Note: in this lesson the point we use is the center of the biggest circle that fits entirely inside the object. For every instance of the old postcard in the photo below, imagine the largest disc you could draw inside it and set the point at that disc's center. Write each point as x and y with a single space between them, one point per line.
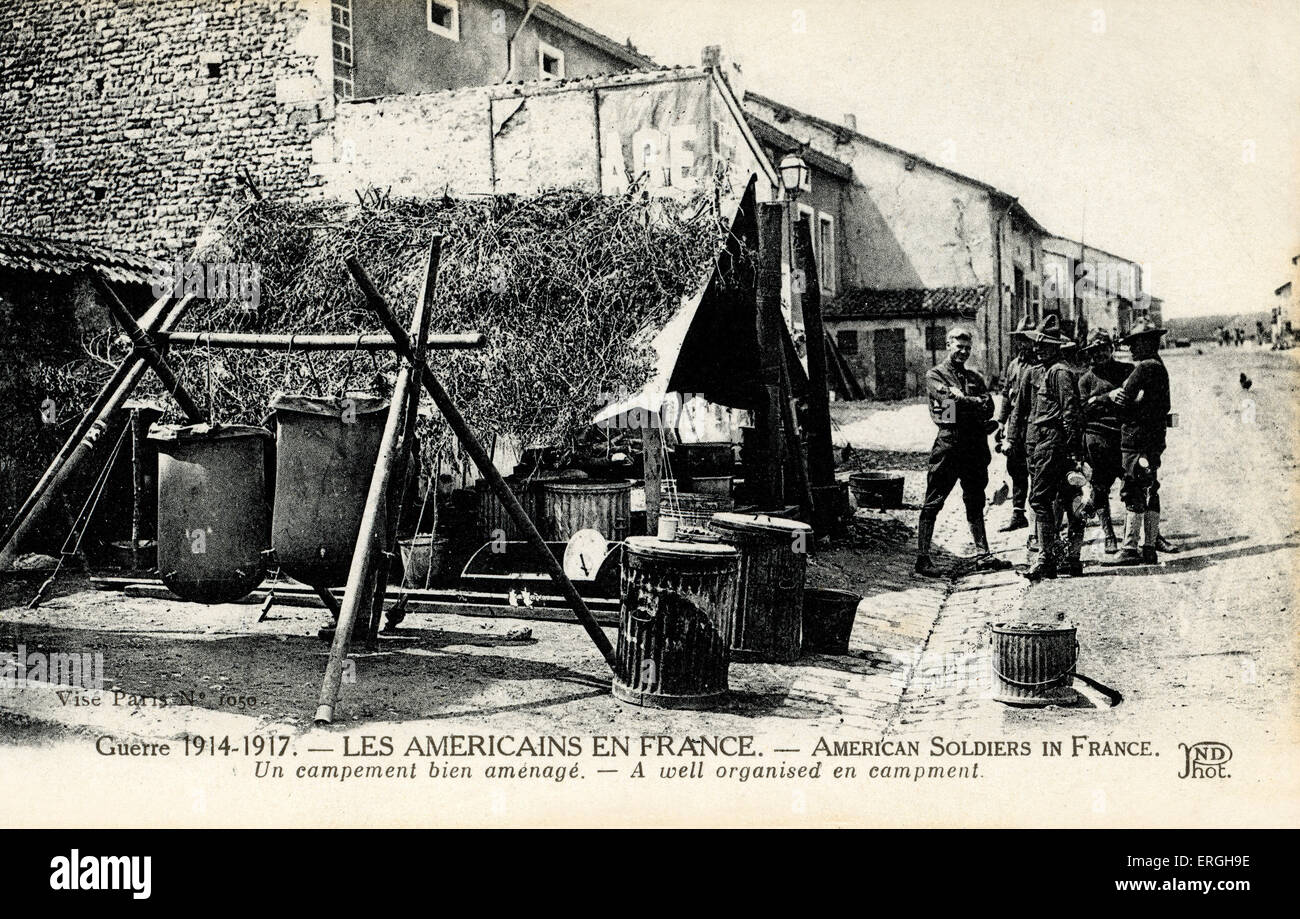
494 413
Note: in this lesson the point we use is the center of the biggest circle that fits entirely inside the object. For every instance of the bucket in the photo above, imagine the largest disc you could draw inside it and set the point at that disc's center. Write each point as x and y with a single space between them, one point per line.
212 514
828 620
677 600
423 558
567 507
1033 663
773 563
325 457
877 489
692 512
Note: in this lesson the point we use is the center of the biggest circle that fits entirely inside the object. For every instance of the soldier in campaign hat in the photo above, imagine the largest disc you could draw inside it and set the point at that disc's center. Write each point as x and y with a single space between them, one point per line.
1017 465
1101 425
1143 401
1047 410
961 407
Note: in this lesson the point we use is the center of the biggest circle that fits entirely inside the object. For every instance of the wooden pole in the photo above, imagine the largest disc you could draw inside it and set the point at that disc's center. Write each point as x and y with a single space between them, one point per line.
397 488
771 217
652 445
145 348
367 341
358 592
485 466
821 459
81 442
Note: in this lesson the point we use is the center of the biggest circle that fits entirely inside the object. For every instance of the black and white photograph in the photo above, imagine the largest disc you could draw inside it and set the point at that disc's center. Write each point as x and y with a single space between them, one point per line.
700 413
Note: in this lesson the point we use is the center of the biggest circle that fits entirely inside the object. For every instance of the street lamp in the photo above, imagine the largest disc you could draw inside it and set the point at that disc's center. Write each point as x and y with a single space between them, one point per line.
796 177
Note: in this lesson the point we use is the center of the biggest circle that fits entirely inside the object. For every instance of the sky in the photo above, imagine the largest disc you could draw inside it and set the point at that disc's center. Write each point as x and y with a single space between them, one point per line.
1165 131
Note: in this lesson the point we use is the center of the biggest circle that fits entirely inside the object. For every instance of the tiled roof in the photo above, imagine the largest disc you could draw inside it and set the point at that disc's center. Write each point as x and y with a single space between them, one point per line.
64 257
784 143
872 303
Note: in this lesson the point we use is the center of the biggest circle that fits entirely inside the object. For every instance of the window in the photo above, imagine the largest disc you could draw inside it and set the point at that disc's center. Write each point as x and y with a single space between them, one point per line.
443 18
341 26
846 341
550 62
936 338
826 252
807 213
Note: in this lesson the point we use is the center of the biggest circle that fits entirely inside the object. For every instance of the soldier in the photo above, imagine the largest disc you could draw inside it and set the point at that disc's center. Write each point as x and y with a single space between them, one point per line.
1143 400
961 407
1101 431
1053 425
1017 466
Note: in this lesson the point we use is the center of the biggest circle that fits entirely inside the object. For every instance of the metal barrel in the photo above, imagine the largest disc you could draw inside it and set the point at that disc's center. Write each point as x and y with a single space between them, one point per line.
1033 663
718 486
677 601
492 517
325 456
692 512
768 623
212 509
567 507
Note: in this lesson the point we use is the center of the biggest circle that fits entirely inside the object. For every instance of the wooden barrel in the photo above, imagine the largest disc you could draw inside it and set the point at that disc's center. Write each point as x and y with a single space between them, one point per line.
678 599
567 507
773 563
325 458
707 458
1033 663
212 509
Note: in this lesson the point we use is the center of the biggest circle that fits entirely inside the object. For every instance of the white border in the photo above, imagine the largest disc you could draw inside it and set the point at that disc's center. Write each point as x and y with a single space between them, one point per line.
544 51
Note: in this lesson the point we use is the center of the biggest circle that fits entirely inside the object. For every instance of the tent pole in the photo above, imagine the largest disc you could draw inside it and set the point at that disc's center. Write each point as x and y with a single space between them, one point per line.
358 594
81 442
485 466
768 419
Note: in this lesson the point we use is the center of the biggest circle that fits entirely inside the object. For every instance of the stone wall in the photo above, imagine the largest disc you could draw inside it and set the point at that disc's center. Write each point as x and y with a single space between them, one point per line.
126 123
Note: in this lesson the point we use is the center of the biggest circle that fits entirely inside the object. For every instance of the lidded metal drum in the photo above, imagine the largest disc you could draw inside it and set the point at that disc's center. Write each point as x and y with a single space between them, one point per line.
677 601
212 509
1033 663
325 457
567 507
773 564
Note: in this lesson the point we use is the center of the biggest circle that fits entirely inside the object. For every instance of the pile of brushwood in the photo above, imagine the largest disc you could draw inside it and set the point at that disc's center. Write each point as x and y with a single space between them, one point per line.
564 284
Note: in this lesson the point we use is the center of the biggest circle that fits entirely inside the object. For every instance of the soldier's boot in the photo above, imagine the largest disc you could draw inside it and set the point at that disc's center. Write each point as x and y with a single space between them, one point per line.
1151 538
1018 521
1073 566
1044 565
1129 553
1107 528
985 560
924 535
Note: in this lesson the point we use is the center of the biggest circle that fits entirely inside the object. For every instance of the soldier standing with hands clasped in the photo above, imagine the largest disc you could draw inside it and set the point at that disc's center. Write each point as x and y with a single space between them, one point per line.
961 407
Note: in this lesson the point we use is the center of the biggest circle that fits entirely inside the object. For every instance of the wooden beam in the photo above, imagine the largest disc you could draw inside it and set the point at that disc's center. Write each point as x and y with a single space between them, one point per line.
357 593
366 341
485 466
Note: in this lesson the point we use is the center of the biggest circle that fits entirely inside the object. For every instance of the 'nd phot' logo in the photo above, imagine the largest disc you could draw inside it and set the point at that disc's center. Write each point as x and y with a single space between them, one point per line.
1205 760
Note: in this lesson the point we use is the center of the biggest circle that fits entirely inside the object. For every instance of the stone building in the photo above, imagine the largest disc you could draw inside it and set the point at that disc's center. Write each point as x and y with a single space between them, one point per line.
908 224
1090 288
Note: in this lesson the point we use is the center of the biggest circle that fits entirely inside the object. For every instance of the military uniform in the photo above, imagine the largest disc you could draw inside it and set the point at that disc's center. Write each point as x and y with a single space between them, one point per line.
960 454
1101 431
1017 462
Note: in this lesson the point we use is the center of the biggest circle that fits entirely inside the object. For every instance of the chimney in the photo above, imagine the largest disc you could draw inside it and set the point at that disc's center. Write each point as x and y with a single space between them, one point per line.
711 57
851 121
